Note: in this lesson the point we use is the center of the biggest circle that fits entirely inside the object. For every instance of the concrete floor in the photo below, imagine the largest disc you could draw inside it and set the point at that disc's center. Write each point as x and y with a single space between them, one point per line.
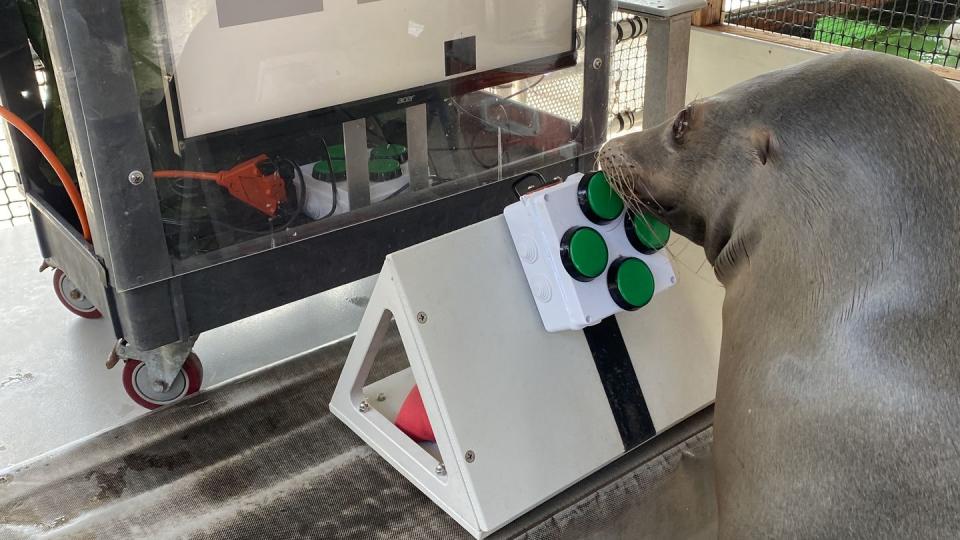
54 388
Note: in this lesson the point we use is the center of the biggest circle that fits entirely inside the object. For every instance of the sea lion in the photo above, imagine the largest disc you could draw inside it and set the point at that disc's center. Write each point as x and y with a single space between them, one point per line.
827 199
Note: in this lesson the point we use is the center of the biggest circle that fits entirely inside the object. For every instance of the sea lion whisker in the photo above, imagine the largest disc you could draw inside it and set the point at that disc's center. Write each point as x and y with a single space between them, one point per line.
613 165
652 199
621 185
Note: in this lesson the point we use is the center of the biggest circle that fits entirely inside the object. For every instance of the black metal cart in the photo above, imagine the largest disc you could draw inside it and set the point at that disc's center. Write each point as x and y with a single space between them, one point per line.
164 272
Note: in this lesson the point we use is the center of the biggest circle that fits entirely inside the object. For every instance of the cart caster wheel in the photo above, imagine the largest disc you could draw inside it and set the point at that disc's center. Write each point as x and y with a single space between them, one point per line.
137 383
71 297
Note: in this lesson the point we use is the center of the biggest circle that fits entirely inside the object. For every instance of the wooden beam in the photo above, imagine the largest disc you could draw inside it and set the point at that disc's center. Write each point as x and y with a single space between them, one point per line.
709 15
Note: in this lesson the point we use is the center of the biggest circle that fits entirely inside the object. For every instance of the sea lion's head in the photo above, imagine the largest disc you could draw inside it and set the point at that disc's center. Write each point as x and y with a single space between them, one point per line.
813 143
689 168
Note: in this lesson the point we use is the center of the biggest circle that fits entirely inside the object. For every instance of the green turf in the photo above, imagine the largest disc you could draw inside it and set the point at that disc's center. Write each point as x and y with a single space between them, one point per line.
923 44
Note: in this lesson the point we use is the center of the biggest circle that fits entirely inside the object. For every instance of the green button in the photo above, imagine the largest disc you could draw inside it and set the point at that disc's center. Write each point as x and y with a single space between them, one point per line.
337 151
382 170
390 151
584 253
321 171
597 199
631 283
647 233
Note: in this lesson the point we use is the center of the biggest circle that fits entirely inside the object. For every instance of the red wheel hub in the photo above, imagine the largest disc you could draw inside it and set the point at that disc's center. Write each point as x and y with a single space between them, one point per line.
140 388
72 298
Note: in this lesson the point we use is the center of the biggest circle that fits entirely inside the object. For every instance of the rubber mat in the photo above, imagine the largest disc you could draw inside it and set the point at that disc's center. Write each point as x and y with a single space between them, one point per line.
262 457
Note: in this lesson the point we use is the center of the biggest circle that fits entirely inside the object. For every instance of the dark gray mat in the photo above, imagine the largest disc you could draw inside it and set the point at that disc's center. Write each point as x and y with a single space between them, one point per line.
262 457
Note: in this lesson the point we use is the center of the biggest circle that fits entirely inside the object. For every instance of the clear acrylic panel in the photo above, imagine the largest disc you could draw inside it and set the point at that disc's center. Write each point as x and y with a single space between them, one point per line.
269 122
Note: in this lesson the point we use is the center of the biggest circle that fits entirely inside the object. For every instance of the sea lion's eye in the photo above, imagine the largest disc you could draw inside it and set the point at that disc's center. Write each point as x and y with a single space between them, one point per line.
681 125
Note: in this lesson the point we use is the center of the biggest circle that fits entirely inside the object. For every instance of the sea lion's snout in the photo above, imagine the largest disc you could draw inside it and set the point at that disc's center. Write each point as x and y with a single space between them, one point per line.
649 176
639 172
692 170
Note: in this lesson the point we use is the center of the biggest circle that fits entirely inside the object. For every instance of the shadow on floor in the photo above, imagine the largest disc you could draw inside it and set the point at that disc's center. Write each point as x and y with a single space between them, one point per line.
263 458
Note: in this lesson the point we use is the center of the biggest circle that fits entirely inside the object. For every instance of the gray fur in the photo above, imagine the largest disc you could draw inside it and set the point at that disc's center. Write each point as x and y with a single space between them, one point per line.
838 399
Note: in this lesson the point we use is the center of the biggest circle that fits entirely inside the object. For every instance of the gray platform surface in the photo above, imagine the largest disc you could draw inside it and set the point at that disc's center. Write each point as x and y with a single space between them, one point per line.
54 387
262 458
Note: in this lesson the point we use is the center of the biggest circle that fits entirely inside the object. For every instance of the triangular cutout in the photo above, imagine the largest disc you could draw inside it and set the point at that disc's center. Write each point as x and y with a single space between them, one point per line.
391 390
384 366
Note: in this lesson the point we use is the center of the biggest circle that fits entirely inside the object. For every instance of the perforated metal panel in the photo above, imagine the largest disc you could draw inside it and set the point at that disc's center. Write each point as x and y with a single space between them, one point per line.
561 94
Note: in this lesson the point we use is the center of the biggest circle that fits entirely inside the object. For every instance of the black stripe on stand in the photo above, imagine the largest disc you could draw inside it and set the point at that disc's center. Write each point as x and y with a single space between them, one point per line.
620 383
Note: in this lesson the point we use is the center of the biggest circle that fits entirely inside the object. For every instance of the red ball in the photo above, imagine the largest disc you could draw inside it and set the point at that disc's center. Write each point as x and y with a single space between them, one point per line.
412 418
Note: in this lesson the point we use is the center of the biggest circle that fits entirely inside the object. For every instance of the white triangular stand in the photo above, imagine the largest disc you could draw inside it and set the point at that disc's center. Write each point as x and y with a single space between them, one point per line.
441 480
519 414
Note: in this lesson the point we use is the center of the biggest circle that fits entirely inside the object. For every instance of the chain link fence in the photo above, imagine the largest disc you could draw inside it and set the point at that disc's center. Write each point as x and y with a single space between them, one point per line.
561 94
13 205
927 31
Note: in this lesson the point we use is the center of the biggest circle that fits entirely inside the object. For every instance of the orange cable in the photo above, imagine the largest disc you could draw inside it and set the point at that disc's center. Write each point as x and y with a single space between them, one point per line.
188 174
54 162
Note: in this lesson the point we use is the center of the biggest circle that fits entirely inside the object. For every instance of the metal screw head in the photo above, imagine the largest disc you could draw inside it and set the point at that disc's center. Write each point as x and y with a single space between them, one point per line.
364 406
381 397
470 456
441 469
422 318
597 63
136 178
75 295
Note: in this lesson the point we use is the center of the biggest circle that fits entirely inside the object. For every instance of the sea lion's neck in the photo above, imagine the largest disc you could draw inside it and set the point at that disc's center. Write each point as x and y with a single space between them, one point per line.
846 240
728 238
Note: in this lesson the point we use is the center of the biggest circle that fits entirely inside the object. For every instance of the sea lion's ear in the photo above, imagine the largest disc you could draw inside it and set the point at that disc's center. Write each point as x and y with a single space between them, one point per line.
764 144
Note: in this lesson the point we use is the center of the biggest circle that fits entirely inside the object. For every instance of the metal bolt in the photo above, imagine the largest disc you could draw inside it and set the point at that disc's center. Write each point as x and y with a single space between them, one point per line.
470 456
441 469
159 387
422 318
381 397
364 406
75 295
136 178
597 63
